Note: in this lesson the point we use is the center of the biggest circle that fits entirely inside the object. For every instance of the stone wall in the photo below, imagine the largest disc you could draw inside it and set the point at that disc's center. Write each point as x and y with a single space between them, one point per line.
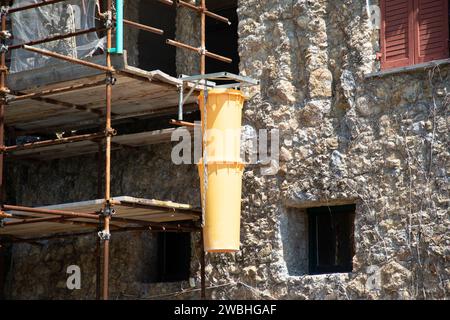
379 142
188 31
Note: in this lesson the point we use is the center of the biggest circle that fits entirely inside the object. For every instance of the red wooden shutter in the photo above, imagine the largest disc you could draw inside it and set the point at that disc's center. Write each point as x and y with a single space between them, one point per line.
431 30
397 33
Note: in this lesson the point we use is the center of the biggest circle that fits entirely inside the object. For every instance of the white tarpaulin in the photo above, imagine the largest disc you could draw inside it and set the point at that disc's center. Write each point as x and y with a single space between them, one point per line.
51 20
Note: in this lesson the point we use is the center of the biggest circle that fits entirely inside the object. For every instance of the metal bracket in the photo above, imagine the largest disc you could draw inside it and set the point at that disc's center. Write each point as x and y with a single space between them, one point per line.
107 19
5 34
204 82
110 132
4 10
104 235
110 80
6 99
108 211
239 81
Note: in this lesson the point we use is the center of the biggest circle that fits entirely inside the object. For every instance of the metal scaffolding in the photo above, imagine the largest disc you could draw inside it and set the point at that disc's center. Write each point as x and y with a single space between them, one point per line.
104 219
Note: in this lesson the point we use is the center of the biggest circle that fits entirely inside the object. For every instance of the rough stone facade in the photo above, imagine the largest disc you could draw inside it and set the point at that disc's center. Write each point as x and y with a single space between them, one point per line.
379 142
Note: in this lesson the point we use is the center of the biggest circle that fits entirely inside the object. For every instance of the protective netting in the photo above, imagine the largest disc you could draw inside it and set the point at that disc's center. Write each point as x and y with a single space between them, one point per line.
51 20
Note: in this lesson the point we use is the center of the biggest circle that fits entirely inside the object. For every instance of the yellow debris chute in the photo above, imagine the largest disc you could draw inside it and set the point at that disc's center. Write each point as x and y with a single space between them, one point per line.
222 176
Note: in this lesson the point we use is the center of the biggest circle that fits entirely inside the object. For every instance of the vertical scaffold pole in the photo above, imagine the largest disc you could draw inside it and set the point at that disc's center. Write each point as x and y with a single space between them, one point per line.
203 37
108 132
98 256
3 71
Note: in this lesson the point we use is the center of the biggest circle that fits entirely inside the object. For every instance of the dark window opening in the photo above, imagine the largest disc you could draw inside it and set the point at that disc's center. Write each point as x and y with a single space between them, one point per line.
221 38
154 53
331 239
174 257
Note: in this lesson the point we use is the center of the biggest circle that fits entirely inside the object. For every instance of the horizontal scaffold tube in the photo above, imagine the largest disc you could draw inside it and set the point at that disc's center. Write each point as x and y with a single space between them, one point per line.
5 215
34 5
148 224
200 9
143 27
86 233
198 50
49 92
47 143
57 37
23 221
51 212
67 58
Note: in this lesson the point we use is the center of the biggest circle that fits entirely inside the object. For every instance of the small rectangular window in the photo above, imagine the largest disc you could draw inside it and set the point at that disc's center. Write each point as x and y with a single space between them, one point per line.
331 240
174 257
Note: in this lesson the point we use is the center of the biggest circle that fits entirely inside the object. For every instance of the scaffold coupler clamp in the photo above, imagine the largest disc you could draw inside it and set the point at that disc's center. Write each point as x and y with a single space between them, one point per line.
110 79
104 235
3 48
107 19
5 35
4 10
3 100
108 211
110 132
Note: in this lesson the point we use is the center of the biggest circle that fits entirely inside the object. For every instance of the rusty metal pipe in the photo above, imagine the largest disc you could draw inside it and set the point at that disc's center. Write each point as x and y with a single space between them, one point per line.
32 220
164 226
35 5
55 91
198 50
69 105
57 37
3 71
203 37
69 59
51 212
204 10
5 215
143 27
106 219
47 143
106 261
98 265
182 123
86 233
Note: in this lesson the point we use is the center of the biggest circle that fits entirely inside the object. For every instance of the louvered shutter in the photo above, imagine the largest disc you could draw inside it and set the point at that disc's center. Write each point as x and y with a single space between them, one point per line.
397 33
431 30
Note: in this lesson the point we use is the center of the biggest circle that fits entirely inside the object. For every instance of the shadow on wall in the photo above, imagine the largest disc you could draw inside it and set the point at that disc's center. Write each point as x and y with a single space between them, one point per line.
155 54
294 235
